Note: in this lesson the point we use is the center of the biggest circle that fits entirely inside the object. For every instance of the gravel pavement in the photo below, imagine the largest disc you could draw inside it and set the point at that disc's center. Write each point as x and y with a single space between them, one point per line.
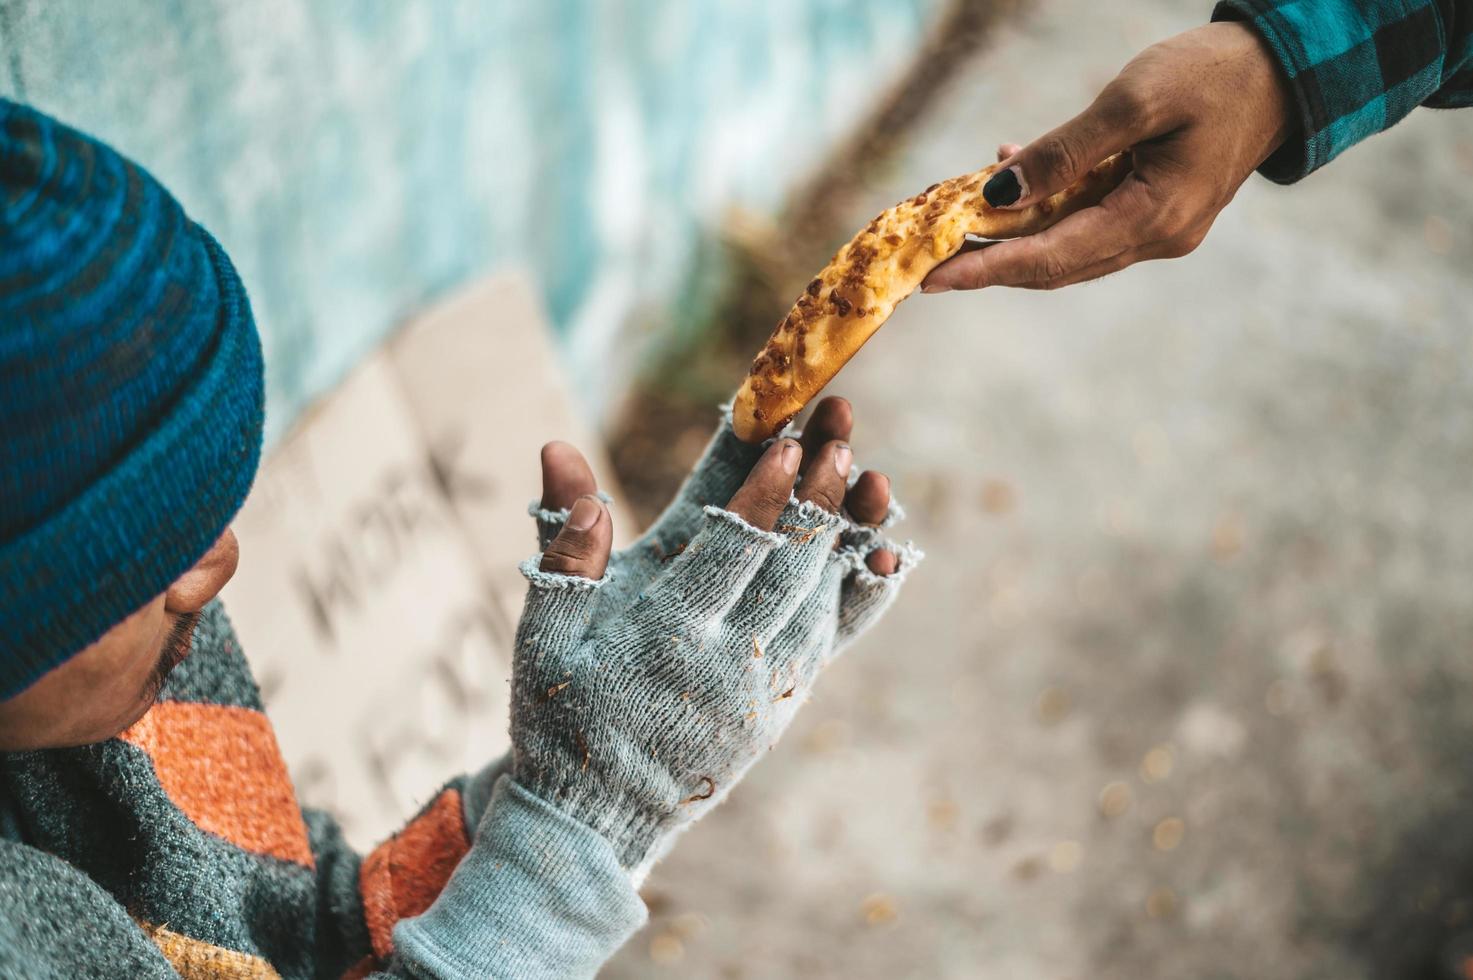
1185 687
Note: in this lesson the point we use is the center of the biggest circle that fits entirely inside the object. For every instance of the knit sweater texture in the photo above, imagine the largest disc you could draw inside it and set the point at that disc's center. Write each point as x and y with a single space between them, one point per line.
178 849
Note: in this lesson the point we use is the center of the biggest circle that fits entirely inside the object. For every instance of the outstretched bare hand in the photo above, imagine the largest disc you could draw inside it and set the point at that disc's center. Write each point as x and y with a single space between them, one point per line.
1202 111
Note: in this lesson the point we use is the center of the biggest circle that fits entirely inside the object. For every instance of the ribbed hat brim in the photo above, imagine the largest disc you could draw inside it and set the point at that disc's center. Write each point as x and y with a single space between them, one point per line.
133 531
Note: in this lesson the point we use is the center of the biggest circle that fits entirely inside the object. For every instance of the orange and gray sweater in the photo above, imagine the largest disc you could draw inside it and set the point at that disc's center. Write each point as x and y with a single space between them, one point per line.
177 849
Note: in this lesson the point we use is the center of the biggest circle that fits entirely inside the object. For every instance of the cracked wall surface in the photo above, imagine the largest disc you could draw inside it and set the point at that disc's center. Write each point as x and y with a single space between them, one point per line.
360 160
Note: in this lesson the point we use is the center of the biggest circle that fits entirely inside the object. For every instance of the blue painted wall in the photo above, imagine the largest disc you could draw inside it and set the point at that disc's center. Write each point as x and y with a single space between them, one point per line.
359 158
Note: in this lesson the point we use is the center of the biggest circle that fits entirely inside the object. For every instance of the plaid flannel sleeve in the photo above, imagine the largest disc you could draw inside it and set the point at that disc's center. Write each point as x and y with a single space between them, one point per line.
1356 67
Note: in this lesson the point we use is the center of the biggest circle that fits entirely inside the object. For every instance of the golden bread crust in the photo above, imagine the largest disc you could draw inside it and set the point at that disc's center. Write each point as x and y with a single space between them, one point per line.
859 289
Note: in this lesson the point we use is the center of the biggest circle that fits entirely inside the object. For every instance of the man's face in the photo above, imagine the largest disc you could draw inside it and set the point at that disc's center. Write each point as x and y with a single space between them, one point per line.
111 684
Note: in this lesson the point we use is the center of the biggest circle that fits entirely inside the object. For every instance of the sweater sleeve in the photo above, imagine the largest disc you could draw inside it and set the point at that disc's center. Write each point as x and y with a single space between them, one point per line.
487 881
361 898
1357 67
539 896
57 922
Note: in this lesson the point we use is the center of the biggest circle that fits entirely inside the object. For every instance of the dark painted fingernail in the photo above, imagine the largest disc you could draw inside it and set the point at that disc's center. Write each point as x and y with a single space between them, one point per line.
584 513
1003 188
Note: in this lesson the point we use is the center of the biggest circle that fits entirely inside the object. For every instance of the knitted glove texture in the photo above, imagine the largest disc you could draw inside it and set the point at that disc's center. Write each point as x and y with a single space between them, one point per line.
639 700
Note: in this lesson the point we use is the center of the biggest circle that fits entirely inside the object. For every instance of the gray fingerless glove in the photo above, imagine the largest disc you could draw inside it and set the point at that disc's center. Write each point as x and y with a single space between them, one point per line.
638 701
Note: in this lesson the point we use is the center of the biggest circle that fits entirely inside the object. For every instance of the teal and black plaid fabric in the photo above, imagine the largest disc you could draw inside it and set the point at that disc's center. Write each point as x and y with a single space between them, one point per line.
1356 67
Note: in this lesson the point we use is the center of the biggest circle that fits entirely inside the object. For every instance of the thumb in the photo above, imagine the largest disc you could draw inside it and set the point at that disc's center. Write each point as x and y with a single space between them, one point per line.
1115 121
581 548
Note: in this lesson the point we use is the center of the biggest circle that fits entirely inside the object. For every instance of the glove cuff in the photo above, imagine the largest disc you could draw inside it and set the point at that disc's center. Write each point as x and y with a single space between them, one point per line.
630 830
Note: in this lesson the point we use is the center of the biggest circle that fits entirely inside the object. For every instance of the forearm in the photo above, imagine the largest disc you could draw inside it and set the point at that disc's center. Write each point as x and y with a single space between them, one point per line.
1356 67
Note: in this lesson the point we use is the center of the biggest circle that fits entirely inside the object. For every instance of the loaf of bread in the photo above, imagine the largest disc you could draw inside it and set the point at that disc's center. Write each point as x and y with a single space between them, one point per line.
844 306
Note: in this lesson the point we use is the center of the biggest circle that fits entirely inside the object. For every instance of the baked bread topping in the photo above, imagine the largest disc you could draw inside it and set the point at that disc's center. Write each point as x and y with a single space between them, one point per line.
859 289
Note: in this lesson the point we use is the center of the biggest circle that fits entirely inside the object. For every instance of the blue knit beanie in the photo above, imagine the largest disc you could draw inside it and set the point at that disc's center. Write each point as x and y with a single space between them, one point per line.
130 392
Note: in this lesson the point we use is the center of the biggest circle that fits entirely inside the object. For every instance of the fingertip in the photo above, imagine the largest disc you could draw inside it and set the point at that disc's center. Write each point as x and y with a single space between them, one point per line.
832 419
839 414
882 562
566 475
839 402
763 495
557 450
1007 188
827 476
868 501
963 271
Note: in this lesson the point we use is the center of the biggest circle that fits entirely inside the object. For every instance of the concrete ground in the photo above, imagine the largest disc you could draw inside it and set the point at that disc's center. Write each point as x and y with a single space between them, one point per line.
1185 688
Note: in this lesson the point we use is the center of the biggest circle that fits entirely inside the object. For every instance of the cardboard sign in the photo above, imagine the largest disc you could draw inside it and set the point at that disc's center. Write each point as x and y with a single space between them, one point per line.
377 593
